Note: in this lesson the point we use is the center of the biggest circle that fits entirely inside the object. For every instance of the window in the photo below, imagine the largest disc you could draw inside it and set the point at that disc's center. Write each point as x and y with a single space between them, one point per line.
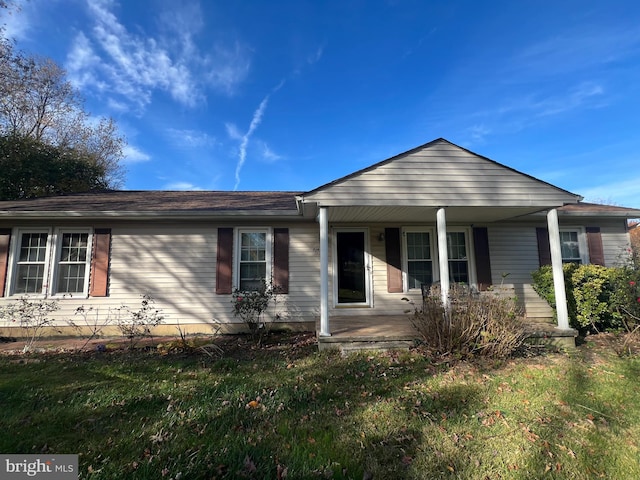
458 257
571 246
253 260
72 263
51 263
31 263
419 259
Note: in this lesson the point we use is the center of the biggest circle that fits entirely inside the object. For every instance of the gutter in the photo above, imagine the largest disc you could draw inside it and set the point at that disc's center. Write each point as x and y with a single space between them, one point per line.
147 215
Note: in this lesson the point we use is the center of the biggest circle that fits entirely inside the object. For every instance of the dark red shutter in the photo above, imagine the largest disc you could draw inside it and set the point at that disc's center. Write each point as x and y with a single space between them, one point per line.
224 259
594 242
99 279
5 238
544 249
394 260
281 259
483 258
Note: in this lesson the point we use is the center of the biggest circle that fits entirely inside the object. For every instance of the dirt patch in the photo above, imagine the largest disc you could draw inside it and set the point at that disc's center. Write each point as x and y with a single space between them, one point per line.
289 345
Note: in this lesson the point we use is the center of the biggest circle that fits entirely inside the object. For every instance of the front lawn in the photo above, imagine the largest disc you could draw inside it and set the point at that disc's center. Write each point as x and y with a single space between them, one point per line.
286 411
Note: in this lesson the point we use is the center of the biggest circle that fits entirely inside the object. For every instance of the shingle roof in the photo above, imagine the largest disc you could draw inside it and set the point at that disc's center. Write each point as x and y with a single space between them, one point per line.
158 201
584 208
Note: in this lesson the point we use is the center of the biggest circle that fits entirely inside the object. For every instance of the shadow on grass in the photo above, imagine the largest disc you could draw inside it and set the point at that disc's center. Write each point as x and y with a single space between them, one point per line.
323 416
311 415
578 430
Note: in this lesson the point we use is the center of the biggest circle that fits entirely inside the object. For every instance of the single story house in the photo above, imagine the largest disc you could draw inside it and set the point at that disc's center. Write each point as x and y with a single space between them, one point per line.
348 250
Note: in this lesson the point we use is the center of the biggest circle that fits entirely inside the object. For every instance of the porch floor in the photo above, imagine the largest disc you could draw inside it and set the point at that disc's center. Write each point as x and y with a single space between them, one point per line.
395 331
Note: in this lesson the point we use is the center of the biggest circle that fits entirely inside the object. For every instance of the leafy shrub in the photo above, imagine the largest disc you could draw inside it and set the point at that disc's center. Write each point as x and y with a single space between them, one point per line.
251 307
487 324
598 298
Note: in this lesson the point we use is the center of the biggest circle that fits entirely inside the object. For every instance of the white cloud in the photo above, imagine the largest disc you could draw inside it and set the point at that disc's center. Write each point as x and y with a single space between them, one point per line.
255 121
316 56
577 97
479 132
190 138
269 155
578 49
233 131
225 67
16 21
134 155
133 65
181 186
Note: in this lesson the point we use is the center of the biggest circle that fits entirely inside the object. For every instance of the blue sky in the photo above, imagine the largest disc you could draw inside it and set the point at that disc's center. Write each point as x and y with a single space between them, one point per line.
289 95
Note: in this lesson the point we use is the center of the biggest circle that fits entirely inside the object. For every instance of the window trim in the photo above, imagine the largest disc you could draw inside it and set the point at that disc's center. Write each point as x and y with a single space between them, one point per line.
51 263
238 251
16 240
435 272
583 248
468 239
55 265
470 251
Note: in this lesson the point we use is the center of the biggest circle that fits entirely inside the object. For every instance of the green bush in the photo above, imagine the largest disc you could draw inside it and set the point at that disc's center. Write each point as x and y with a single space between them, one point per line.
598 298
252 305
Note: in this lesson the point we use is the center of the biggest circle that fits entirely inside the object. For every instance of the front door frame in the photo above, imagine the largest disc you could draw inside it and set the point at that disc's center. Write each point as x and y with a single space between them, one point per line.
367 268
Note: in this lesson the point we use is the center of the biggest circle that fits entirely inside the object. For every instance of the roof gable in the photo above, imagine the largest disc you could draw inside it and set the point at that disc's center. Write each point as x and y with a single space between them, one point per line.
440 173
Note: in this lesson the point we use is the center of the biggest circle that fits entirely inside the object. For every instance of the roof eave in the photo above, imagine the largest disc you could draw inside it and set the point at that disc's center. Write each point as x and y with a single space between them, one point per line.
151 215
632 213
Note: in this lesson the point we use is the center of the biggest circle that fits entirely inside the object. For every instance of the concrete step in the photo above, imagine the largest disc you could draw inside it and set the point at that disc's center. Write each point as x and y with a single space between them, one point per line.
355 344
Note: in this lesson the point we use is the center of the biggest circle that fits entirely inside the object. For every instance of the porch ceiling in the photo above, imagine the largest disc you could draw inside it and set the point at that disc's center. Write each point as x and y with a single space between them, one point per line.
408 215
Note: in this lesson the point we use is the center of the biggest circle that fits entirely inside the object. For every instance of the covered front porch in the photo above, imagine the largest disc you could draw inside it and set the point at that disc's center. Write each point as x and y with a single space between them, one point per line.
438 201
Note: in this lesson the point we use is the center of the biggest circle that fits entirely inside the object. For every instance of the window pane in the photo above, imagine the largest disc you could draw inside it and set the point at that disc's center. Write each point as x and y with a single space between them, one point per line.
569 246
29 278
253 247
74 247
419 272
251 275
458 271
71 268
33 247
71 278
456 246
418 247
419 268
458 262
253 256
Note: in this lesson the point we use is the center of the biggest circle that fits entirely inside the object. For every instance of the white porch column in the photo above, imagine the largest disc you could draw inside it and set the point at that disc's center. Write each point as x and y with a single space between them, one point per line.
443 255
558 274
324 272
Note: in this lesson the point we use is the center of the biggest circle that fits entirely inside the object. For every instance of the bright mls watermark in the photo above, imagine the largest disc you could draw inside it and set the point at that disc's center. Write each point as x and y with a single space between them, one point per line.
49 467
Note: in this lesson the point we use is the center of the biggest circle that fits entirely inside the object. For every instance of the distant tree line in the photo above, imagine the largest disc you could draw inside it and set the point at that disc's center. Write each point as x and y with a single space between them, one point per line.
49 144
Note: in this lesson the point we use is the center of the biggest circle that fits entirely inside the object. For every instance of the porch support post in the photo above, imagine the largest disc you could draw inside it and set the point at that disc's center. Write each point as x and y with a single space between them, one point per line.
324 272
556 265
443 255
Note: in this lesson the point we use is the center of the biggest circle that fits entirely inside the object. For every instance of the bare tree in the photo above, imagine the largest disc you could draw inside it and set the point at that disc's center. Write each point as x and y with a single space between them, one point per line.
37 101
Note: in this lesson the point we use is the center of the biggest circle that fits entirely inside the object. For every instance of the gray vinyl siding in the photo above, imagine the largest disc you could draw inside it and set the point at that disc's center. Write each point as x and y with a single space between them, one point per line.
615 242
514 255
440 174
176 265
